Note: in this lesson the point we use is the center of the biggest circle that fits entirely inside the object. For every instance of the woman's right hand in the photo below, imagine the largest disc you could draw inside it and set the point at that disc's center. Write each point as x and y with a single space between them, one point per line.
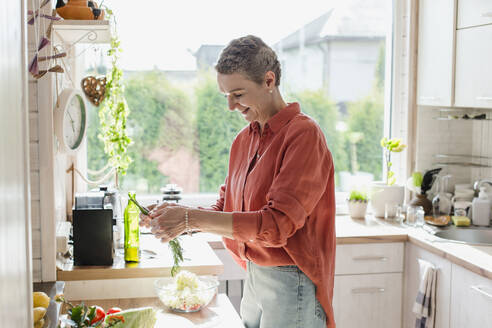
145 219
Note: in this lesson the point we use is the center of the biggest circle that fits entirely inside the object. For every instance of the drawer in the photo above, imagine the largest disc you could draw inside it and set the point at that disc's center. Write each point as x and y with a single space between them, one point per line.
474 12
370 301
369 258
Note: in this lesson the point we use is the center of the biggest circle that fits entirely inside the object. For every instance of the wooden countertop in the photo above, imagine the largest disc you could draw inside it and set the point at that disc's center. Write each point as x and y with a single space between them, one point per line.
218 314
155 261
475 258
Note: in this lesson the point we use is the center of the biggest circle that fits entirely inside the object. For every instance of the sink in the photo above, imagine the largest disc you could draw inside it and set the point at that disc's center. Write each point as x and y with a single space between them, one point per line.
468 235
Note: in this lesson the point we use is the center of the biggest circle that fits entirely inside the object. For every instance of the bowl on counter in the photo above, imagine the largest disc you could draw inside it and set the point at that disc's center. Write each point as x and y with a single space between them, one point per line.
187 298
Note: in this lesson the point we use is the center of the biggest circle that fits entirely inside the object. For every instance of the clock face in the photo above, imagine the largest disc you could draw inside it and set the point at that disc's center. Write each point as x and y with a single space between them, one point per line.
74 122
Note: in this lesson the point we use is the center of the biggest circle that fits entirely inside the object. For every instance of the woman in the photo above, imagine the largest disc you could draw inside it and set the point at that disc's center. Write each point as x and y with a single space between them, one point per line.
276 210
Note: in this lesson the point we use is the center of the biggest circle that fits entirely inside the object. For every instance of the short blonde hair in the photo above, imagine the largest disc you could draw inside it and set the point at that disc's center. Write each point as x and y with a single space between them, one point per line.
250 56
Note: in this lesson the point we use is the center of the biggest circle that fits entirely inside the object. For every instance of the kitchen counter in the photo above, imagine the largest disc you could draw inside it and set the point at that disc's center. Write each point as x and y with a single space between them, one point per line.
155 261
475 258
219 313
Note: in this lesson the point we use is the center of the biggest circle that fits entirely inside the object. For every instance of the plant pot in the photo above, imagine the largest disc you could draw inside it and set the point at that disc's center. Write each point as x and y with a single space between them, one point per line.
79 10
382 194
422 200
357 209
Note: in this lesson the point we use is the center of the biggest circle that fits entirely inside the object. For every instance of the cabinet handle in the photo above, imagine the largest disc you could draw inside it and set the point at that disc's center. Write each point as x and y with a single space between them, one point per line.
483 98
489 14
370 258
481 291
367 290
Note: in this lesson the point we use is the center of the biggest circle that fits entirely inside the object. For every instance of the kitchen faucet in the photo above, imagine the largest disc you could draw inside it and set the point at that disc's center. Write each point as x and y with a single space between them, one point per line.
479 183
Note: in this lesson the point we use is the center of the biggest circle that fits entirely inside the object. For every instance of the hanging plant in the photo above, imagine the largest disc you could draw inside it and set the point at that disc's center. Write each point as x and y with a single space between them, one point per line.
114 110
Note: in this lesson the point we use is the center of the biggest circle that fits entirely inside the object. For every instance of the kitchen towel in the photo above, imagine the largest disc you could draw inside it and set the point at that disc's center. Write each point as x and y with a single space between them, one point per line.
425 303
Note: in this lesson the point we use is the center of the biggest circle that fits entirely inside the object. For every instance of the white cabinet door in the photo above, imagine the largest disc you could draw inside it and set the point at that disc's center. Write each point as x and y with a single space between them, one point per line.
471 299
370 301
474 67
474 13
437 23
412 281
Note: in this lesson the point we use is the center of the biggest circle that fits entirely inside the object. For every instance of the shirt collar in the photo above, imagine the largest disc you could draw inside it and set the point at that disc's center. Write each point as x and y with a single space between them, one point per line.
280 119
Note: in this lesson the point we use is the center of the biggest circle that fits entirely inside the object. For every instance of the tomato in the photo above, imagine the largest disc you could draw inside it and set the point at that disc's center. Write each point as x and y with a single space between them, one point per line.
100 315
113 310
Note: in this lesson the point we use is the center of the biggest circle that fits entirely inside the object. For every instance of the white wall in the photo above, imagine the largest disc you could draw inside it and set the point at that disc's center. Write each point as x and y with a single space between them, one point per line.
15 255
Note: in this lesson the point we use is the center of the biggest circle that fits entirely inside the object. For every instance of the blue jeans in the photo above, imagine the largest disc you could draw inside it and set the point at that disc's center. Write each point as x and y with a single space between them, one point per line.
280 296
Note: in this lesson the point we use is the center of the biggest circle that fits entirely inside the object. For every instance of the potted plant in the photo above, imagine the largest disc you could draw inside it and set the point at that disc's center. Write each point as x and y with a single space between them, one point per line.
114 111
357 204
387 192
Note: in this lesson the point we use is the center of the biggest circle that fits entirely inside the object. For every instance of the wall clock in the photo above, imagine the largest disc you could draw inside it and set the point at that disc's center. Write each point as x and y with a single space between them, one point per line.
70 120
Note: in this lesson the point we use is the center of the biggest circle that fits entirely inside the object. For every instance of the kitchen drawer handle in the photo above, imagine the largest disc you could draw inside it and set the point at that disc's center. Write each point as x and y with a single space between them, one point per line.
367 290
481 291
370 258
489 14
484 98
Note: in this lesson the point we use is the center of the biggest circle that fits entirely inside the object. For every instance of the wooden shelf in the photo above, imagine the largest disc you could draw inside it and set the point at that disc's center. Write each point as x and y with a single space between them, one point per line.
156 261
82 31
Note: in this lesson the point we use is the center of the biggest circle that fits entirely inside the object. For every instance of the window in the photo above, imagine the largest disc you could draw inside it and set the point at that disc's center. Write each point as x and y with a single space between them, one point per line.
334 56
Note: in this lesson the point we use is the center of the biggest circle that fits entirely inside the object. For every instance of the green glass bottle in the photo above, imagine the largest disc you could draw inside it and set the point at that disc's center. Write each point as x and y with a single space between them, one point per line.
132 232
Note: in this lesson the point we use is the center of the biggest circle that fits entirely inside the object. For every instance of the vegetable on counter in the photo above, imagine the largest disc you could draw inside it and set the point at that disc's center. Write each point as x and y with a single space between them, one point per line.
174 244
82 316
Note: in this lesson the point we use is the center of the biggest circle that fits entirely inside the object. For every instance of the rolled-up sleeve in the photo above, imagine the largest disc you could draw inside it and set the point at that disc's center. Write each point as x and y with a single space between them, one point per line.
298 185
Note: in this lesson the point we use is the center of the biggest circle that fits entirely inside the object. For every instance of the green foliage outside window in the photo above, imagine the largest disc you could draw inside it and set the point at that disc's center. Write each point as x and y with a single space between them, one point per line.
161 116
217 126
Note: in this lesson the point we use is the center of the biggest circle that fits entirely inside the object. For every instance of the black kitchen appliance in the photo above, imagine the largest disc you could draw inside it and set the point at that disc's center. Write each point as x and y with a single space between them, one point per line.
92 230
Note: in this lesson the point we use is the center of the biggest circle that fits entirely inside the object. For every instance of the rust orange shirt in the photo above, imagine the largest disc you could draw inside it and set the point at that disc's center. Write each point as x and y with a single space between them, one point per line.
281 190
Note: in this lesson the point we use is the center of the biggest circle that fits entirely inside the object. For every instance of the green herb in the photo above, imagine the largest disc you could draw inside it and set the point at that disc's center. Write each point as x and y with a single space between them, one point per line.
177 251
174 244
81 315
114 111
356 195
143 209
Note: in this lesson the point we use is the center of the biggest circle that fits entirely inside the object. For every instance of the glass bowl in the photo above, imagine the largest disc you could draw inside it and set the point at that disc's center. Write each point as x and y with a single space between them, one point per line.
186 299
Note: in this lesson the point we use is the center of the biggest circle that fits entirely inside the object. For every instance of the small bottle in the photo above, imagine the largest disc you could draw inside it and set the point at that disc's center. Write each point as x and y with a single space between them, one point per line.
481 209
132 232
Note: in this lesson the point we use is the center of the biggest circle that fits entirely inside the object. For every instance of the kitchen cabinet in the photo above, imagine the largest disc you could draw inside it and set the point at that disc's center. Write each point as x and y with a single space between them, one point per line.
474 13
371 300
435 78
368 285
412 282
473 68
471 299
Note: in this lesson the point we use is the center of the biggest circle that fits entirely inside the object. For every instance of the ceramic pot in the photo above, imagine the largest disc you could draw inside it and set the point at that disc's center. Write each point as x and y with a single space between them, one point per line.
422 200
79 10
382 194
357 209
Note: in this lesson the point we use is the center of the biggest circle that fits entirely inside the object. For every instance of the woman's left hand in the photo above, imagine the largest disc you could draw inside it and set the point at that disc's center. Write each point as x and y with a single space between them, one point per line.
168 222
